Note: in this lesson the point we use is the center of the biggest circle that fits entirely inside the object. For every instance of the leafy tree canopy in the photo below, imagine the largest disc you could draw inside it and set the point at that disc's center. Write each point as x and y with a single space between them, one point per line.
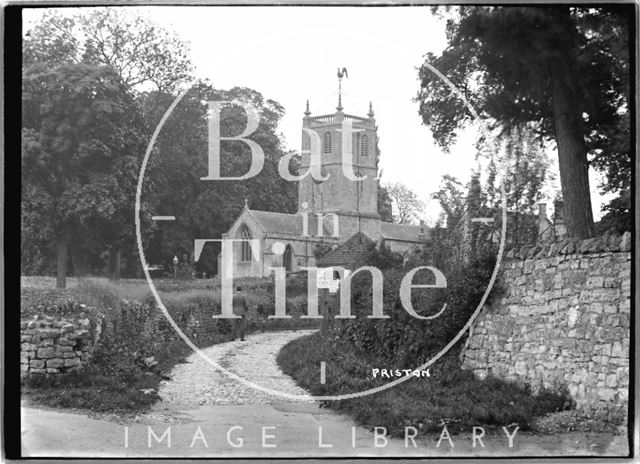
140 52
407 206
80 138
208 208
563 71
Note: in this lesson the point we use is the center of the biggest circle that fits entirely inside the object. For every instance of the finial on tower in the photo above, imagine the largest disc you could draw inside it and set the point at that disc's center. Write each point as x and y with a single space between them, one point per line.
307 113
370 114
246 202
341 73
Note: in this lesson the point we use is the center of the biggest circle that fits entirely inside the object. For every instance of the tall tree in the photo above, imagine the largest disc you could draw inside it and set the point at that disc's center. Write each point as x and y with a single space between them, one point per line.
451 197
554 66
144 55
385 204
79 133
208 208
144 58
453 202
406 204
524 170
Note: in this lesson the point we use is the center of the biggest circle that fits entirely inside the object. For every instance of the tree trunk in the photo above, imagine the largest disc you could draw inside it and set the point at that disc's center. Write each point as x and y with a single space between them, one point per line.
569 132
61 268
114 262
78 258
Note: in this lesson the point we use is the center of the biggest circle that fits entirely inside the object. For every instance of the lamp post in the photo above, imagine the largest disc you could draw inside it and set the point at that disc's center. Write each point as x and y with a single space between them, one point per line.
175 267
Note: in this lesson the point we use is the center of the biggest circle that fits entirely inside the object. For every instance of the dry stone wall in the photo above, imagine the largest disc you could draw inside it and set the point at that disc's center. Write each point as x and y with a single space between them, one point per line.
562 322
55 344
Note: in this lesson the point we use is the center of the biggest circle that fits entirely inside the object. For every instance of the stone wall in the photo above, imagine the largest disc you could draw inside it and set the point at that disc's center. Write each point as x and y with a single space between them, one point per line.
56 344
562 321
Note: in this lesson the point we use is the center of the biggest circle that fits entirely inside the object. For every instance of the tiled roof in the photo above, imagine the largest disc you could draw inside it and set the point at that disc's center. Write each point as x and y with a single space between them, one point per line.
284 223
404 233
350 254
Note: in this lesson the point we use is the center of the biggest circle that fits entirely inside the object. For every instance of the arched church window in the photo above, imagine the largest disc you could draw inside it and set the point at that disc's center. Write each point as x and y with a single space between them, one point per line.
364 145
326 143
287 258
245 234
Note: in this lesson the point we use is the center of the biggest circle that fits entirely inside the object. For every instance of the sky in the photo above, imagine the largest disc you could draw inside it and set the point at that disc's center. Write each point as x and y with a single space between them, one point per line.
291 54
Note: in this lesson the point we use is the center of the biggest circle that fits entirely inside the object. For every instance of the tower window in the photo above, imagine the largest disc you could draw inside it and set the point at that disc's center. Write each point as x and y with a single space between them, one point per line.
245 234
364 145
326 143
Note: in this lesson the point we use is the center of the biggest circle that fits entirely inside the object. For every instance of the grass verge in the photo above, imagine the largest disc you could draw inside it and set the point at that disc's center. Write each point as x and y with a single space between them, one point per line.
449 396
88 388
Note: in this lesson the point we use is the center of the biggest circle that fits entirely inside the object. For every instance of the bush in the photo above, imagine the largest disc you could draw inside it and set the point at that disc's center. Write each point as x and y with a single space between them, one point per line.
403 339
382 257
137 330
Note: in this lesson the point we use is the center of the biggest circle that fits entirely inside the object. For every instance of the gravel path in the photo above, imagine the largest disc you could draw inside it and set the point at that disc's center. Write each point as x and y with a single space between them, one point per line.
197 382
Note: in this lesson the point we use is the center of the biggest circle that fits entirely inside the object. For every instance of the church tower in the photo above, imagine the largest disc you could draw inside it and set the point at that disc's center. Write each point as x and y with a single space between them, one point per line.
355 202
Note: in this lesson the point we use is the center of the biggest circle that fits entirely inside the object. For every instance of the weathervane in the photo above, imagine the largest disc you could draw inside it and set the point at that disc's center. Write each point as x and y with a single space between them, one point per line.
341 73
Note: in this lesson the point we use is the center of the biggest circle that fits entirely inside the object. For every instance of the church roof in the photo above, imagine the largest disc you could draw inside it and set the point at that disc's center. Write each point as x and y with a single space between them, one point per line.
291 224
350 254
285 223
404 232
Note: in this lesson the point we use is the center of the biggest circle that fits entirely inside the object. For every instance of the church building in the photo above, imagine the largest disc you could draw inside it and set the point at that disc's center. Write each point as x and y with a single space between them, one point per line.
341 206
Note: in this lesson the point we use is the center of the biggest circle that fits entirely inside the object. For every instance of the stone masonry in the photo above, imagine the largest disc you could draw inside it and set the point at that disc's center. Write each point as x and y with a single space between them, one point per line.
562 322
54 345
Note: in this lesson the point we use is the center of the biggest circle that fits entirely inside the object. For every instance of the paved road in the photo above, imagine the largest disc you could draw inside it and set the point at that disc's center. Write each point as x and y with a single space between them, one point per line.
206 414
